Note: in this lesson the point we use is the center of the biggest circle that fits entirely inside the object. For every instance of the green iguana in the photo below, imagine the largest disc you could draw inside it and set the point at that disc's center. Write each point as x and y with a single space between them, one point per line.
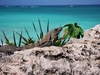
47 40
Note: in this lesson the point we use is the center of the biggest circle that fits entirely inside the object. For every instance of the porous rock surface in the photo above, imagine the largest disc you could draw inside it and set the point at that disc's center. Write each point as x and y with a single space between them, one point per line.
77 57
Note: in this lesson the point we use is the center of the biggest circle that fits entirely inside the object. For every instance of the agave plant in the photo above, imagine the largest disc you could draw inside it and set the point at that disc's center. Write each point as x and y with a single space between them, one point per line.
1 42
20 40
6 39
35 31
72 30
11 43
26 41
30 40
14 39
41 31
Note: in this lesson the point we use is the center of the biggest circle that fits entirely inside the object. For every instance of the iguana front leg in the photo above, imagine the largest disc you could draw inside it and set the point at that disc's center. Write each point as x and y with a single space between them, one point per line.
54 40
45 41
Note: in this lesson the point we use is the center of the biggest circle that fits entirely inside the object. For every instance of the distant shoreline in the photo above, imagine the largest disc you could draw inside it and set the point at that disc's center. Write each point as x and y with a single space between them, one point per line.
49 5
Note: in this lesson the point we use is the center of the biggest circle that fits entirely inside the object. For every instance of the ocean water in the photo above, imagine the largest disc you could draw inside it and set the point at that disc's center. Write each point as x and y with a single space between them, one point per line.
17 17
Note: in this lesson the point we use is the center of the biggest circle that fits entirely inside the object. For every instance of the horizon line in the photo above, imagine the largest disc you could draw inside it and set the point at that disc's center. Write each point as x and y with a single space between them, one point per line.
52 5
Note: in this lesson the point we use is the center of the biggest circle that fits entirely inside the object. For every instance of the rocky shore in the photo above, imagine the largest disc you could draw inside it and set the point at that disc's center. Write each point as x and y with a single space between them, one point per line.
76 57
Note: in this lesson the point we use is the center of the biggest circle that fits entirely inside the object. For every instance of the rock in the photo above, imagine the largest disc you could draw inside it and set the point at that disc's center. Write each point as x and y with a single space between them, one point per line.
93 33
77 57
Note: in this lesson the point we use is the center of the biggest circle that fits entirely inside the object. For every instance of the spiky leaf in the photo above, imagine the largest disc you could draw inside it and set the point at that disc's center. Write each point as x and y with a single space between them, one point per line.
41 32
23 38
20 38
35 30
27 33
14 39
7 40
1 42
31 40
48 26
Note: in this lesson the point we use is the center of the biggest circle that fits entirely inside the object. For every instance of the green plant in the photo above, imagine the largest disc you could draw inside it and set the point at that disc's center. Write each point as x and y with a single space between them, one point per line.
30 40
41 31
1 42
58 42
26 41
72 30
35 31
20 40
10 43
14 39
6 39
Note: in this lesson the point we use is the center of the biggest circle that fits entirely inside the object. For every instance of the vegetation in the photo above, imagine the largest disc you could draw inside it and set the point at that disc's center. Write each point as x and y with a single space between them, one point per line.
26 41
10 43
1 42
70 30
41 31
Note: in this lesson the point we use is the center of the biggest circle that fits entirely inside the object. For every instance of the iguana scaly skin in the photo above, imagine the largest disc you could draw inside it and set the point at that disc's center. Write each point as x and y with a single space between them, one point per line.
8 48
47 40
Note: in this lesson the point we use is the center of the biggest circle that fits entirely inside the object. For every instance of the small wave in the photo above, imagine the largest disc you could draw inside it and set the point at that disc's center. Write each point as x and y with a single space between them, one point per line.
71 6
34 6
22 6
7 6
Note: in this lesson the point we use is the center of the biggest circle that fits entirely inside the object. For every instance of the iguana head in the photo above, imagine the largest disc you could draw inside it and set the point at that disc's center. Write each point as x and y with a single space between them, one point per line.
56 31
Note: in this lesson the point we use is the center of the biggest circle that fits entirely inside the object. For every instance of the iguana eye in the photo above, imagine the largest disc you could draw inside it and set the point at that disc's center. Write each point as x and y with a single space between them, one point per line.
56 29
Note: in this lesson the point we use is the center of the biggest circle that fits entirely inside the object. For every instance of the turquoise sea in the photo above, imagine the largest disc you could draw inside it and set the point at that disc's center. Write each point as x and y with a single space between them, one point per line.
18 17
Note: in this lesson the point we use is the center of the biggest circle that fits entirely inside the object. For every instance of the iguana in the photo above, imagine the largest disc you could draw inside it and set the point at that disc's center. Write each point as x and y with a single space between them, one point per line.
47 40
8 48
